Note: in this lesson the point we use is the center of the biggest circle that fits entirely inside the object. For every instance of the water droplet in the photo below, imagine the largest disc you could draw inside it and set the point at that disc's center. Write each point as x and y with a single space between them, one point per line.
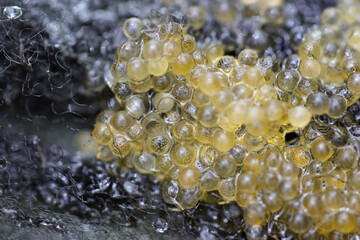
160 225
14 147
206 235
12 12
130 187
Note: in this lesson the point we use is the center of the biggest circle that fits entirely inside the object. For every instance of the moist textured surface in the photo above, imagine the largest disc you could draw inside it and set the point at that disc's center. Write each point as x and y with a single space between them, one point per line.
52 192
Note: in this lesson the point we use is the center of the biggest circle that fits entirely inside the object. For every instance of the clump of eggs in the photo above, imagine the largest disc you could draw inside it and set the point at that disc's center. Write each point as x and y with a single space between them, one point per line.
219 128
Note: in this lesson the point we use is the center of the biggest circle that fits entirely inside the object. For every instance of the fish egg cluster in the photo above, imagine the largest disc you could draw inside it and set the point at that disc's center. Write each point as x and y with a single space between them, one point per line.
273 136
